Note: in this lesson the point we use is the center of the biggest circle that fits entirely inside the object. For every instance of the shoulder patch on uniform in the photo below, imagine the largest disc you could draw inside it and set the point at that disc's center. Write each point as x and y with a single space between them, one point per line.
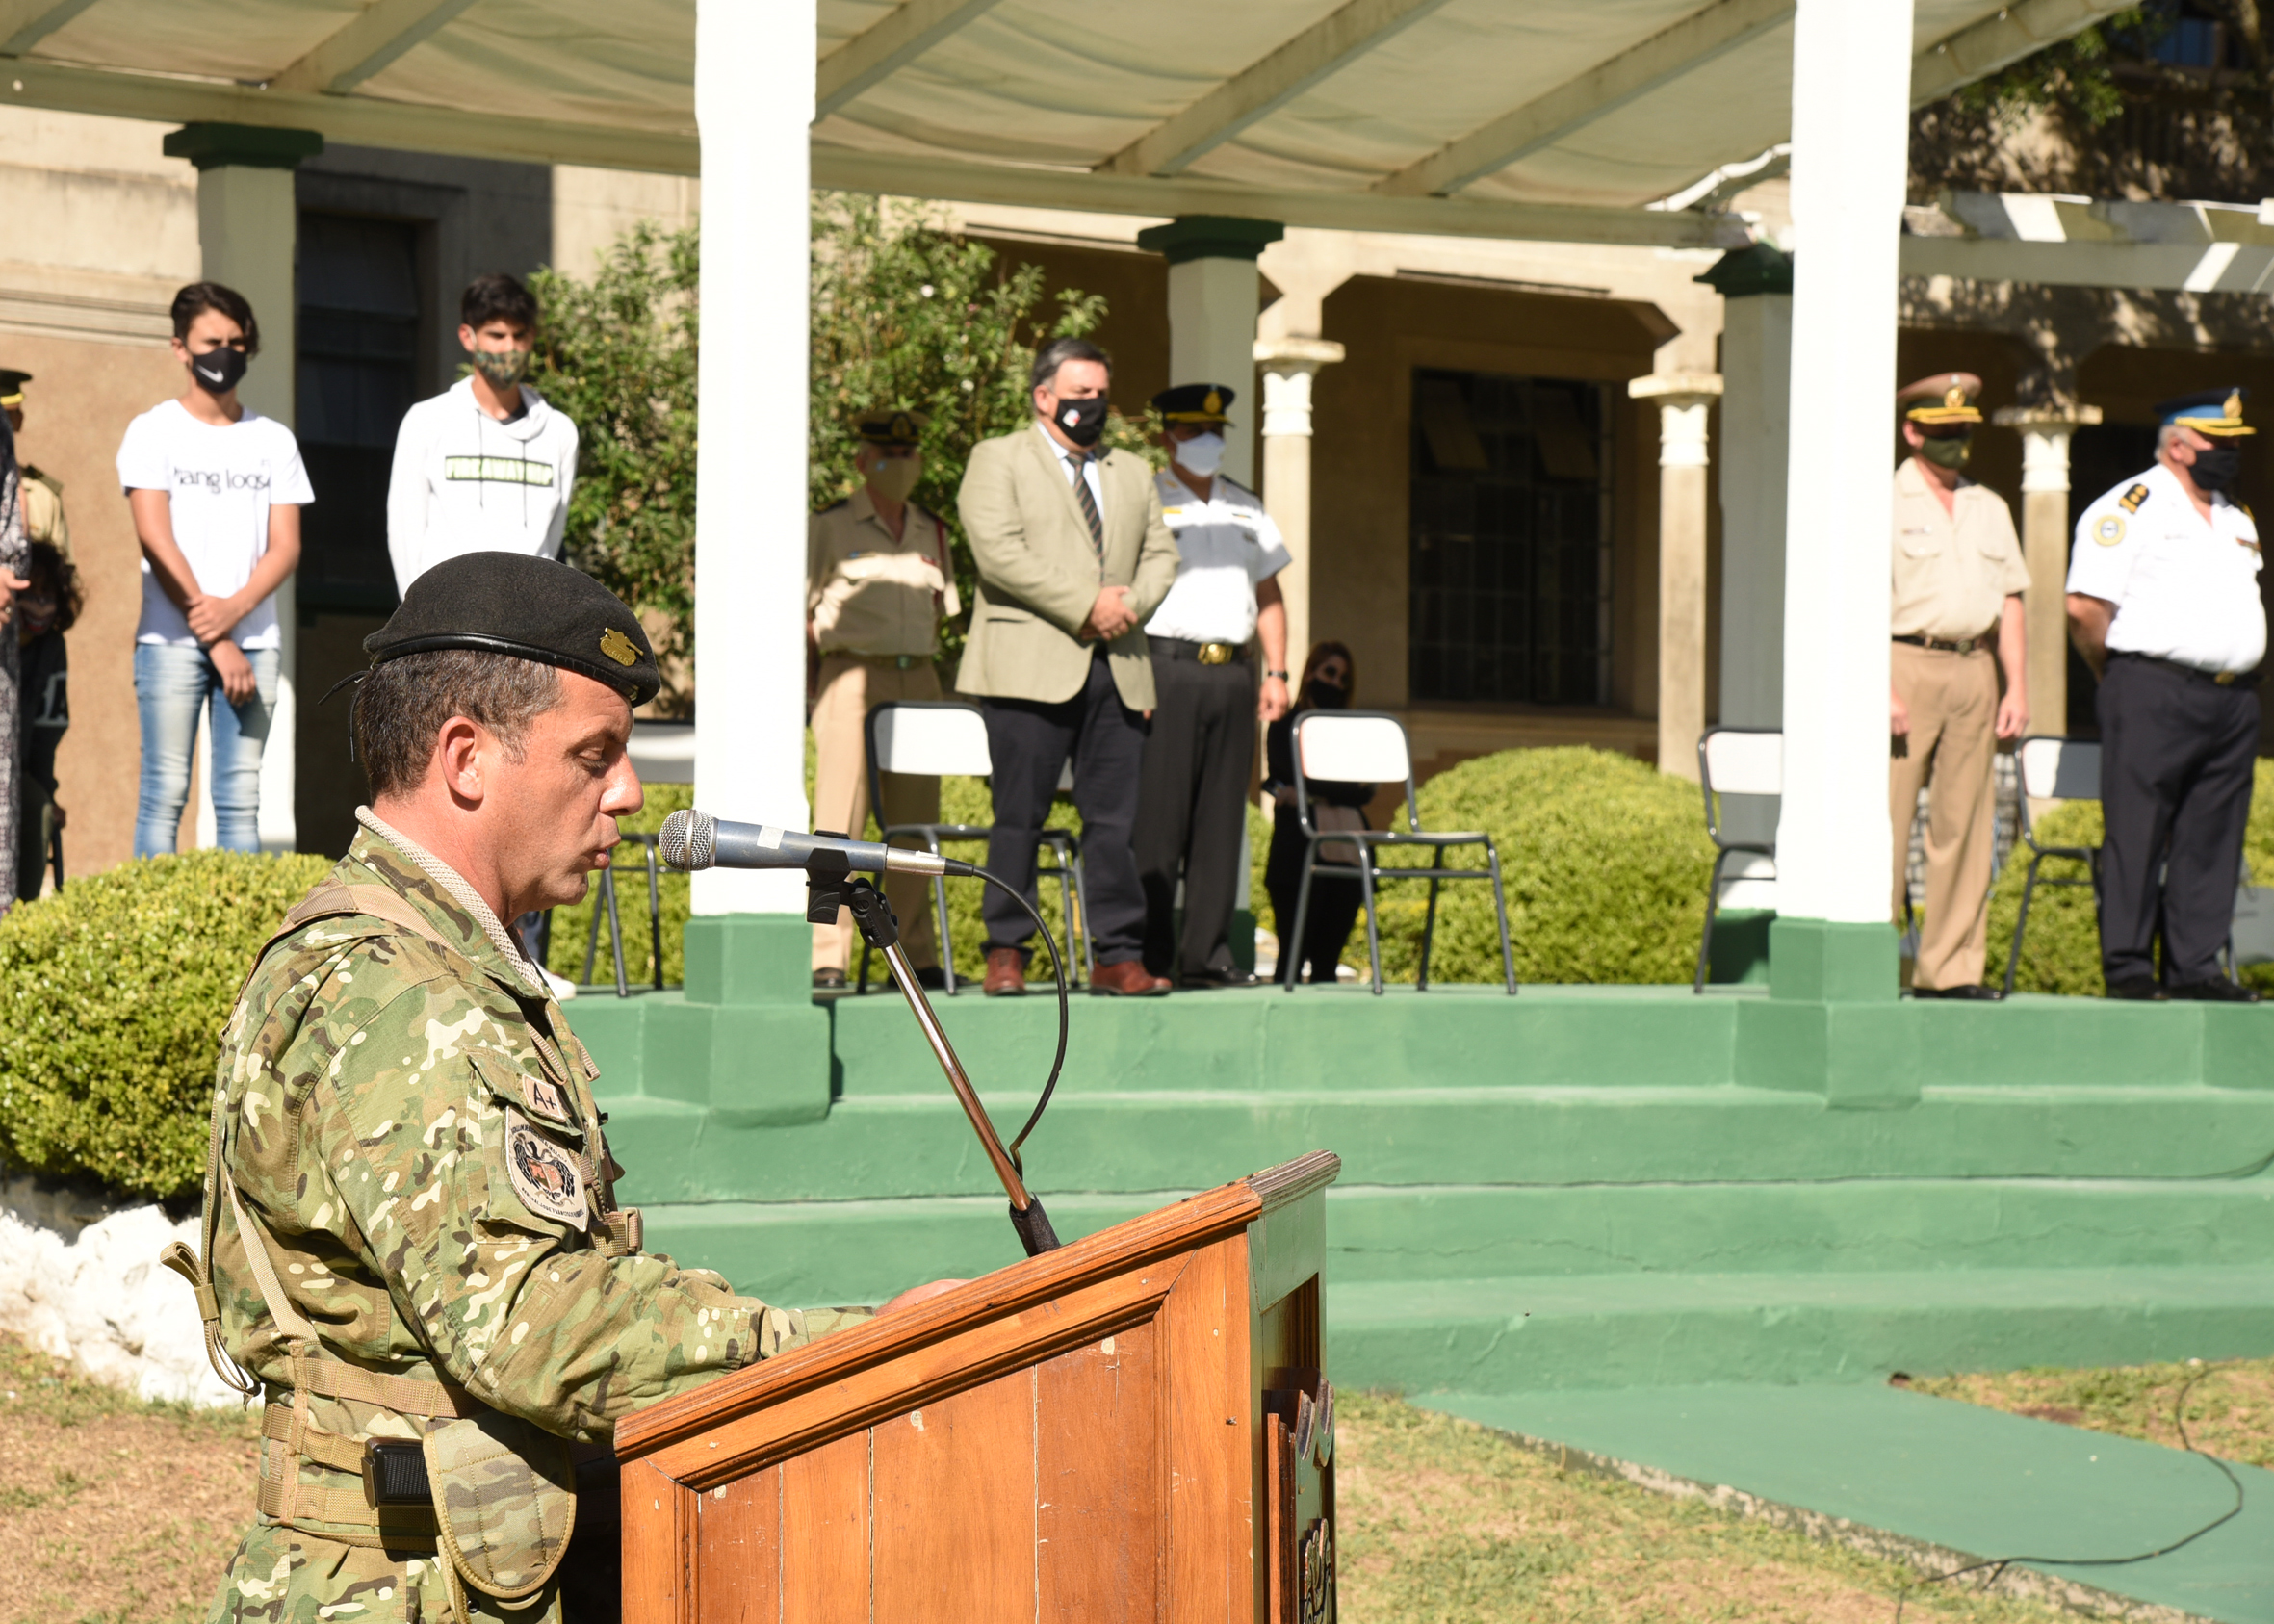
2109 530
543 1176
2131 499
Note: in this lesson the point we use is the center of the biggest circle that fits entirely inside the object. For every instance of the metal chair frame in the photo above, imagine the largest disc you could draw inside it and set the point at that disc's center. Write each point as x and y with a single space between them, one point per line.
1064 844
2089 856
607 898
1724 847
1368 872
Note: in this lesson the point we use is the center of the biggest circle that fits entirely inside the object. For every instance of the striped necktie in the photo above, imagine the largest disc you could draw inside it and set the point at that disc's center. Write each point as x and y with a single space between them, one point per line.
1090 513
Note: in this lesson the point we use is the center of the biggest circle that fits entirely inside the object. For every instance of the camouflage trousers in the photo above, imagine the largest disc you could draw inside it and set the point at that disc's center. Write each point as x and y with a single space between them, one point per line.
282 1576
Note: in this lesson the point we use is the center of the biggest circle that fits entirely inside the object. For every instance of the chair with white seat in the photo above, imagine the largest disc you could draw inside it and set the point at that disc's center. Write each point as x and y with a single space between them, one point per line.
1369 747
1741 772
934 738
2051 769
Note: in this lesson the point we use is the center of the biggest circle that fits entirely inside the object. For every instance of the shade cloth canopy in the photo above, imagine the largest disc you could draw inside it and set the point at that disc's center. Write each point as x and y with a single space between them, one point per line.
1501 117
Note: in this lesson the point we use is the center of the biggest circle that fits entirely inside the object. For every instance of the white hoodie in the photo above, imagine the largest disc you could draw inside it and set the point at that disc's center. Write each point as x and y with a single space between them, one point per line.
465 482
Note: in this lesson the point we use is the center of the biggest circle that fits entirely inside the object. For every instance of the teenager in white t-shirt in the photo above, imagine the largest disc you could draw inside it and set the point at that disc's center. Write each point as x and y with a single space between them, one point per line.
217 491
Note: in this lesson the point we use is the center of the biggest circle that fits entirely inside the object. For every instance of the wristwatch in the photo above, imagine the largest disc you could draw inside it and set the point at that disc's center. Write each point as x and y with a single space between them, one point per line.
1280 675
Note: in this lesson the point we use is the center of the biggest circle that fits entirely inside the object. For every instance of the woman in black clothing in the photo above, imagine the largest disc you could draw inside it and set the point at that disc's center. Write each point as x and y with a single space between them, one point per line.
1330 678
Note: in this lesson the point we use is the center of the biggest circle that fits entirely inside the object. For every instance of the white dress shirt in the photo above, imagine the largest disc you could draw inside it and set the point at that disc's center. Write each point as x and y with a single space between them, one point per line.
1226 546
2185 588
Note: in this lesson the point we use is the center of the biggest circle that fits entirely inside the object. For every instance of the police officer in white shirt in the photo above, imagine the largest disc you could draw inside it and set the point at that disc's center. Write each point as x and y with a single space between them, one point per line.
2163 603
1191 800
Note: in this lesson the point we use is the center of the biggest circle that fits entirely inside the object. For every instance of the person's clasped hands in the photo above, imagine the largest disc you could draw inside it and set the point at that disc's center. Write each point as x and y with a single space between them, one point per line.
1109 618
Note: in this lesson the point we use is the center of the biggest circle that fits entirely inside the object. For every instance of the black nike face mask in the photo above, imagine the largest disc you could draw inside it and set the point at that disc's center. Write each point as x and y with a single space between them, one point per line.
217 371
2217 468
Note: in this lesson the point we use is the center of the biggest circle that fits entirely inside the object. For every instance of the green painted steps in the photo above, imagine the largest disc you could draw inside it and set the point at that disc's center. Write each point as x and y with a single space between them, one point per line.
1949 1481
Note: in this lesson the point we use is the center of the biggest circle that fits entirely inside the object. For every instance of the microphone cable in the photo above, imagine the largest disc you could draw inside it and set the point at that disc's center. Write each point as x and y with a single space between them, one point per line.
1058 973
1997 1565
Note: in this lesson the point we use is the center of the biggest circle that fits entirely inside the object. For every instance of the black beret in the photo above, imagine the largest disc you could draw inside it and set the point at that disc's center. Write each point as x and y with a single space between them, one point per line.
508 603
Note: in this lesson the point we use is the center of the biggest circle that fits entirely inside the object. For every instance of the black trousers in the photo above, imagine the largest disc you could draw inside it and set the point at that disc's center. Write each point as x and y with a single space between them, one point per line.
2176 758
1335 903
1190 807
1028 742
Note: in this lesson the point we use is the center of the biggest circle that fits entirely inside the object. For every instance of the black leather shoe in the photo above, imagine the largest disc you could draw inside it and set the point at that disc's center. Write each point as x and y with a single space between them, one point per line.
2219 990
1976 994
931 978
1210 981
2139 989
829 981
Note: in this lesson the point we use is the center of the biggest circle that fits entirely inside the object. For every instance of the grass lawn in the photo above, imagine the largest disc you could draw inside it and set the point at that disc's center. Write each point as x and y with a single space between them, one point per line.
2230 1409
124 1512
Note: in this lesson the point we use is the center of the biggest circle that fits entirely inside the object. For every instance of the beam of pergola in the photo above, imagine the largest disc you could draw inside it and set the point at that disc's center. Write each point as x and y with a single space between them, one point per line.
1165 196
1665 56
1982 48
886 46
1325 47
381 33
24 23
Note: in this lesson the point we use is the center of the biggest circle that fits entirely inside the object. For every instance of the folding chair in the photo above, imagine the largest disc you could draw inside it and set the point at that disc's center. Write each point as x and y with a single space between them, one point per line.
935 737
2051 769
1747 763
1369 747
606 899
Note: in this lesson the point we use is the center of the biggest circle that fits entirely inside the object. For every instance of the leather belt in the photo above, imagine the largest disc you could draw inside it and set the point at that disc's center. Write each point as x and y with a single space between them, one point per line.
897 661
2224 679
1944 645
1207 654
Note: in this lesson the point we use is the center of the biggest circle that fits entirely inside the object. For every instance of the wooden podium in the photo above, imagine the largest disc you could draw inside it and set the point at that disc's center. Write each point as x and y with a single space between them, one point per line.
1133 1427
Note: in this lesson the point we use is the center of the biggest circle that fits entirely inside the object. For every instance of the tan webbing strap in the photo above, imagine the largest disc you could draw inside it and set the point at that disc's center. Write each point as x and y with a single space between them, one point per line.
327 1449
404 1395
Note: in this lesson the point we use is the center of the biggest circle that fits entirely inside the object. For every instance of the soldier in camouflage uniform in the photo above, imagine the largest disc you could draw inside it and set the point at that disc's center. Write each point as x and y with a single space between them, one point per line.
410 1227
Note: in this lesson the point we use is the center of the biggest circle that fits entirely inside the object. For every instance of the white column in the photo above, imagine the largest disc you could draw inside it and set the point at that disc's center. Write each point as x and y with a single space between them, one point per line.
2044 544
247 228
1287 366
1212 339
1684 401
1756 417
1851 67
750 513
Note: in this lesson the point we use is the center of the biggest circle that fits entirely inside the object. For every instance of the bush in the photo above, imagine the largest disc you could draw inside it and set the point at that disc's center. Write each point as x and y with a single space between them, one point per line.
2062 951
565 954
114 992
1604 860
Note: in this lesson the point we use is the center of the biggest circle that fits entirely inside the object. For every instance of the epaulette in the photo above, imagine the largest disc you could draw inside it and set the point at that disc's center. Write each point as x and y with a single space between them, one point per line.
2131 499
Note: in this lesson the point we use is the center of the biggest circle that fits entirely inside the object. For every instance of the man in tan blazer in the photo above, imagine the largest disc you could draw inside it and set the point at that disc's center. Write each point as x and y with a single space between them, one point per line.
1072 554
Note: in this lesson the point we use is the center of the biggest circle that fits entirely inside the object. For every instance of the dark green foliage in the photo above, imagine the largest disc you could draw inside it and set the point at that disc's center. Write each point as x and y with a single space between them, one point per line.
617 354
112 997
1603 859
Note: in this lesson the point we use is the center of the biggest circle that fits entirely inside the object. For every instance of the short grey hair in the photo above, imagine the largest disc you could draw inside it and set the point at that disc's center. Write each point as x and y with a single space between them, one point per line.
402 705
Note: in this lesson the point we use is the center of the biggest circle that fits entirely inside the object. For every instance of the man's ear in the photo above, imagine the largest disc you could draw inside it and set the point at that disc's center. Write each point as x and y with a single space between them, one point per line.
459 757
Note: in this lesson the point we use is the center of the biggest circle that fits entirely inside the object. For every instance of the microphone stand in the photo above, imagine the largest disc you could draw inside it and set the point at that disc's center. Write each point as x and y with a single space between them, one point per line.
829 885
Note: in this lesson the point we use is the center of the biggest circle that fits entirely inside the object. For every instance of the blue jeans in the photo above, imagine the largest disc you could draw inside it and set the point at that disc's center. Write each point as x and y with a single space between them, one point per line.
172 685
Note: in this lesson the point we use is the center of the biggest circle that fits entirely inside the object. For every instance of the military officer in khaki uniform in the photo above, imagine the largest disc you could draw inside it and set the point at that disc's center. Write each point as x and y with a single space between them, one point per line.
42 493
1958 582
878 579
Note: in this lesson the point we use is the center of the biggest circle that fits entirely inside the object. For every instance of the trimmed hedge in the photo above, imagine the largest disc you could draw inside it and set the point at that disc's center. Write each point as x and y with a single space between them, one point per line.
565 954
2062 951
113 993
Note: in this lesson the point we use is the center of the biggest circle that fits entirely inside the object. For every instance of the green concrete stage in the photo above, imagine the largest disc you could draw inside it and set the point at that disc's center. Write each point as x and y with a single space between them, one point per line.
1575 1188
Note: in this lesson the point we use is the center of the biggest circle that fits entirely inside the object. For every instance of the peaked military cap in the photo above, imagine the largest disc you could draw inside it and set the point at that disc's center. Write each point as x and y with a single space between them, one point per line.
891 429
1946 398
1195 402
11 388
2216 412
508 603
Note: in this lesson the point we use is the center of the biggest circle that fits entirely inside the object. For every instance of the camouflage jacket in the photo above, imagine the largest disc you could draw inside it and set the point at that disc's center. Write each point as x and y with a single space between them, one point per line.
412 1132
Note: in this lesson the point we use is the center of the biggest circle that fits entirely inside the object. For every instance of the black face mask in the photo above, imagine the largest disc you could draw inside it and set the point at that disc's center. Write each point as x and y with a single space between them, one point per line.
1323 695
2218 468
1083 422
217 371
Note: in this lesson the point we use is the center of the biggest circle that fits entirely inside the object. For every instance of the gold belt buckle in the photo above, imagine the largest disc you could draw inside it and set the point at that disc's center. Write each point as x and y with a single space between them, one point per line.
1215 653
2224 679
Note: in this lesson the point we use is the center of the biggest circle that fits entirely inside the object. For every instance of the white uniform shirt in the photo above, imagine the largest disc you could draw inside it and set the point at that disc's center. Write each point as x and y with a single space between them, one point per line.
1225 546
2185 590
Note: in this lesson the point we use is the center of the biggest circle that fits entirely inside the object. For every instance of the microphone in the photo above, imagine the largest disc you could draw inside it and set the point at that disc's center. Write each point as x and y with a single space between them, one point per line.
694 841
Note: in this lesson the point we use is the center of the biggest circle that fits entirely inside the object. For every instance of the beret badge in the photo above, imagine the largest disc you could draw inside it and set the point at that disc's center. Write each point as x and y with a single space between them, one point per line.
618 647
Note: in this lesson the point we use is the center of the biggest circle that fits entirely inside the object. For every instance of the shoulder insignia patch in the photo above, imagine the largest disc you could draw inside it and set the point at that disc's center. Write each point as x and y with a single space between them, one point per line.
545 1098
2131 499
543 1175
2109 530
